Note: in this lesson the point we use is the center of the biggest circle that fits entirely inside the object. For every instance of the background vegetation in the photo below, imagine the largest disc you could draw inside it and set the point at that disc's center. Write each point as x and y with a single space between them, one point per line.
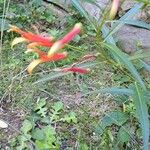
105 109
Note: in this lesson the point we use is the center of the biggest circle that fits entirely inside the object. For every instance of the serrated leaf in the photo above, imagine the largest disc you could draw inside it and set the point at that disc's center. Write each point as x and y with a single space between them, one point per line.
115 117
58 106
38 134
142 113
71 117
49 130
40 103
42 112
40 145
124 60
123 135
26 126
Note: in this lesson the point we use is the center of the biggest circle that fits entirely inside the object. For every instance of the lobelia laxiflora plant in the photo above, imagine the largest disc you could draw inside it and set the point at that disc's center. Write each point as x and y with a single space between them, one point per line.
55 46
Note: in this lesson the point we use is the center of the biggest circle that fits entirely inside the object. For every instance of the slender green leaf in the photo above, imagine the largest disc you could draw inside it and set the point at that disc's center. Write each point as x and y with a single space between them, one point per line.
136 23
145 65
126 62
133 11
142 113
55 75
113 90
105 32
140 56
146 2
51 76
82 11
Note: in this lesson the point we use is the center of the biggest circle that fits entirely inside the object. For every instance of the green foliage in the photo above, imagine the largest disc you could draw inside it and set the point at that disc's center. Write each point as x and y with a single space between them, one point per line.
116 117
125 61
142 113
45 128
40 107
123 135
39 135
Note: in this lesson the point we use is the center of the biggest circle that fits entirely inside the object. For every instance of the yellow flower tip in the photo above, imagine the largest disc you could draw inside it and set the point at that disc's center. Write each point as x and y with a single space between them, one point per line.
13 29
65 53
114 9
78 25
33 64
97 54
51 38
88 69
32 45
17 40
29 50
57 69
55 48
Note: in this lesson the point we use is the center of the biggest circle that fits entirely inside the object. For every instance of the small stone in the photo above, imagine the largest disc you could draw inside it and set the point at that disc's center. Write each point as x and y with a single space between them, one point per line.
3 124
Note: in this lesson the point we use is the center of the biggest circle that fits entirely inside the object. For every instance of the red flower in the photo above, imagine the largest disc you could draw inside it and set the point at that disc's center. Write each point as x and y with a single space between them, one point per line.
75 70
30 37
67 38
43 57
52 55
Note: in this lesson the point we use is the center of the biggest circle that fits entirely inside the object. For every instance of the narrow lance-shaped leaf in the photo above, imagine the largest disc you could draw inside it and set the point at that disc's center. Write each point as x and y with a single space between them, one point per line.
124 60
137 23
113 90
142 113
145 65
54 75
82 11
133 11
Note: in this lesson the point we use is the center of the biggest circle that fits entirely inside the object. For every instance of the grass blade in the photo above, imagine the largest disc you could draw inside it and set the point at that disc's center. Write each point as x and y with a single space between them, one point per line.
136 23
105 32
113 90
140 55
83 12
124 60
55 75
145 65
142 113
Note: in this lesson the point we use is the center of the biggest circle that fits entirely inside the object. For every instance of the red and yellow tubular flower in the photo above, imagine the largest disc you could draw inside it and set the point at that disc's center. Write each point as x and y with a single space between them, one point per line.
75 70
114 9
67 38
43 57
53 54
30 37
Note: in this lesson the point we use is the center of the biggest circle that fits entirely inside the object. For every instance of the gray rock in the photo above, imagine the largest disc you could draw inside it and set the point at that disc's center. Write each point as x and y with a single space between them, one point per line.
130 38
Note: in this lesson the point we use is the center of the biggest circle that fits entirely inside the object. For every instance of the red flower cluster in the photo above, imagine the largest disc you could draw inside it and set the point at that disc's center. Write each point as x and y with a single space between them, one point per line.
53 54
